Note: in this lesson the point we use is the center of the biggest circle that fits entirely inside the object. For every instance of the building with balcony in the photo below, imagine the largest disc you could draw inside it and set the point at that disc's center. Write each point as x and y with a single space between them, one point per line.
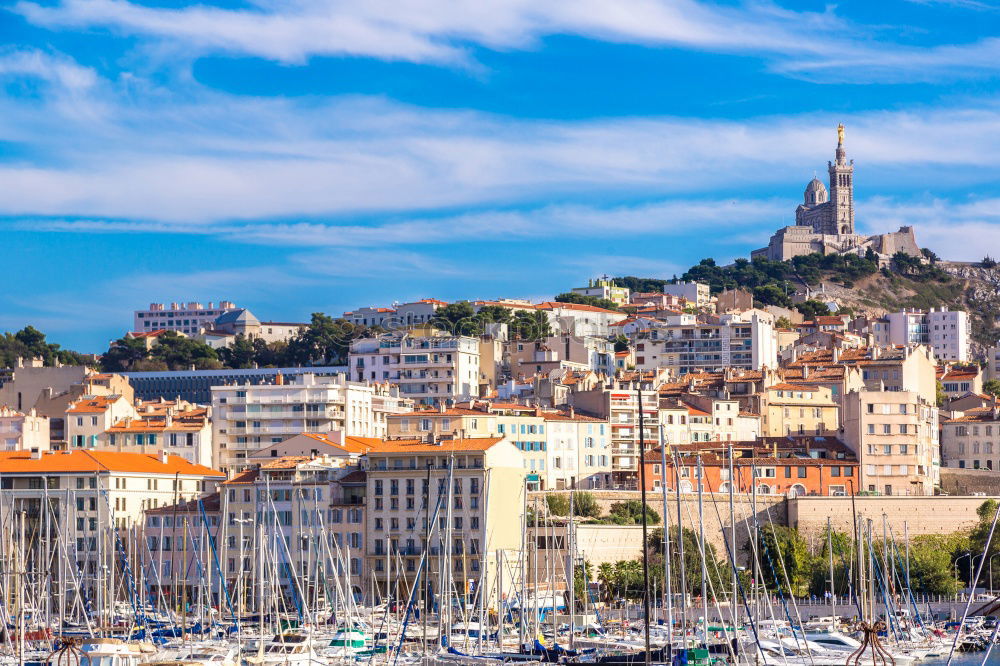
948 332
309 511
693 343
429 366
249 417
604 287
70 499
454 505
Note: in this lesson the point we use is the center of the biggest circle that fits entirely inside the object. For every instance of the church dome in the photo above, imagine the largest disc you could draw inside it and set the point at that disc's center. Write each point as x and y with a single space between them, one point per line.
815 192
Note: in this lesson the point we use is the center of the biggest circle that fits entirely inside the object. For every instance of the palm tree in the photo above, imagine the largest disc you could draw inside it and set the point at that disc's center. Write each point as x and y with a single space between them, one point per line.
606 577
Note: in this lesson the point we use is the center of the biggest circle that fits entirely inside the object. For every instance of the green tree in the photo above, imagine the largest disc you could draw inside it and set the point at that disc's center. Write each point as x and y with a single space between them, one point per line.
179 353
585 504
583 574
940 396
992 386
812 308
558 505
606 579
621 343
630 512
530 325
326 341
242 353
458 318
778 545
783 322
931 570
718 570
124 354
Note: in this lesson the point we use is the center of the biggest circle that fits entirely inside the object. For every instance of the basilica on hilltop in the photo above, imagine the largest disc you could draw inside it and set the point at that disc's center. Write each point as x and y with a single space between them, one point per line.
824 221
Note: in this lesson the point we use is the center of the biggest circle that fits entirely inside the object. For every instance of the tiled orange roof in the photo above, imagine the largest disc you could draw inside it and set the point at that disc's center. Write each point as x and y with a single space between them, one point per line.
288 462
420 446
565 416
93 404
192 421
248 476
61 462
793 387
974 415
351 443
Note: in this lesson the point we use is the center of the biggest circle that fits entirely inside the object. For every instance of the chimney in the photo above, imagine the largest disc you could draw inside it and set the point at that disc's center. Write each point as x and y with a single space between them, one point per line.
36 453
163 456
440 406
836 354
805 372
572 412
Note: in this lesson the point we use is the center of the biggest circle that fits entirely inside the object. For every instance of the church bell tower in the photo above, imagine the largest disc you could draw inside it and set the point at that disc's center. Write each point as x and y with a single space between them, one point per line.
841 215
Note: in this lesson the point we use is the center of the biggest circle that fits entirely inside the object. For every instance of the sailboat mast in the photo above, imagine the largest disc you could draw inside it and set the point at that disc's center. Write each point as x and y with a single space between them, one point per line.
667 597
704 566
829 547
645 537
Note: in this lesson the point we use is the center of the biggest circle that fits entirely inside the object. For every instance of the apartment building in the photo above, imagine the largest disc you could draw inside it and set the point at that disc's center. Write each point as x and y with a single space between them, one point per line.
792 466
691 343
187 318
428 365
399 316
249 417
604 287
310 511
179 428
698 294
580 320
959 379
455 505
20 431
948 332
90 416
526 358
895 436
620 405
799 409
563 449
698 418
971 439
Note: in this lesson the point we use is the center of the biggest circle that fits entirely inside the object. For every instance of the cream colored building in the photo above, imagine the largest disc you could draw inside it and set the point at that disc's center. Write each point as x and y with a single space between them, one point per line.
316 505
179 428
799 409
895 435
459 502
21 431
564 449
247 417
90 416
89 492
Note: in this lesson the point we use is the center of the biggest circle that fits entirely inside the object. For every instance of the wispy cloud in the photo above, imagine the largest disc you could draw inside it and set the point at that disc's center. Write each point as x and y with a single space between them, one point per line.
433 31
196 157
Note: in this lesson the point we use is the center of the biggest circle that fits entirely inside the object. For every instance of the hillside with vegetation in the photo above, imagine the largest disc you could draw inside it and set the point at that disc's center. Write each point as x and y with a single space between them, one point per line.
857 284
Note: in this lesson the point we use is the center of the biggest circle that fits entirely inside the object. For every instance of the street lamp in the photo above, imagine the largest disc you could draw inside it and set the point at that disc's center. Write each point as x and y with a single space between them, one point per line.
991 571
959 559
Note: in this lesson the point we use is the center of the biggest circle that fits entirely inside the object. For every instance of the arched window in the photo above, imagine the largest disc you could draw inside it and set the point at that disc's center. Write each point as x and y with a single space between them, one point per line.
798 490
763 489
686 487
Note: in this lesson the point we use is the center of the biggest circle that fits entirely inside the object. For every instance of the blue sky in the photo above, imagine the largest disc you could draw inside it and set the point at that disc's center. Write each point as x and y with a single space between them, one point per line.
299 155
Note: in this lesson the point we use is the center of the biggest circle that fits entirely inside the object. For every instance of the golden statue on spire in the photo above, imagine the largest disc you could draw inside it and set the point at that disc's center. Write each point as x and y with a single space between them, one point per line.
840 134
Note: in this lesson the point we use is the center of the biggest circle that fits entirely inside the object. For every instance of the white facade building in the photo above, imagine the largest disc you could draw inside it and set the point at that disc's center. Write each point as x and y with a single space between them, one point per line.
21 431
948 332
429 366
247 417
187 318
689 343
697 293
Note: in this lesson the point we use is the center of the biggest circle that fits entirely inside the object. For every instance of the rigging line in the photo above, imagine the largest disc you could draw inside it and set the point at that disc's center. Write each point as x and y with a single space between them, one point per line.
979 570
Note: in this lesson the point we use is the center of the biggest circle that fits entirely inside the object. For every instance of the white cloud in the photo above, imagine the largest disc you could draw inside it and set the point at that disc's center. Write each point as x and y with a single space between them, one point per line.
196 157
816 44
